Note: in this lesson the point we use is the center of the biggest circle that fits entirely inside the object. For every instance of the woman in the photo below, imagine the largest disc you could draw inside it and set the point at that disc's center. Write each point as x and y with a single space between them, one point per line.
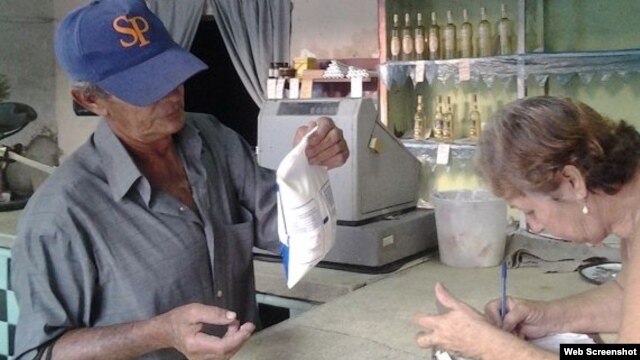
575 175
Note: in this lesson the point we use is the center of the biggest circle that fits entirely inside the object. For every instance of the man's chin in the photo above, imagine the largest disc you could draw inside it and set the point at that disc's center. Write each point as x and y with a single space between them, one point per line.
177 119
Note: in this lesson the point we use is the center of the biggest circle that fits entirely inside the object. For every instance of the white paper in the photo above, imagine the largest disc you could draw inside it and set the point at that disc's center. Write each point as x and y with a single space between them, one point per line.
464 70
356 87
552 342
271 88
442 155
420 72
280 88
294 88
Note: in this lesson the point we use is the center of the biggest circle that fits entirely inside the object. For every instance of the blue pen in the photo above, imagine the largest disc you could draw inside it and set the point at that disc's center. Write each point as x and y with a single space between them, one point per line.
503 291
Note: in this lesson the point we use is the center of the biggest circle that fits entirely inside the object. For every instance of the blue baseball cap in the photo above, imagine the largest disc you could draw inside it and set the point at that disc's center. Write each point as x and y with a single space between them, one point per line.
121 46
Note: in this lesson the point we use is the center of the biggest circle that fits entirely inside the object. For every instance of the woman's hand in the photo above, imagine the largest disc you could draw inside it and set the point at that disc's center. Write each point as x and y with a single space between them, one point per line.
327 146
525 318
458 329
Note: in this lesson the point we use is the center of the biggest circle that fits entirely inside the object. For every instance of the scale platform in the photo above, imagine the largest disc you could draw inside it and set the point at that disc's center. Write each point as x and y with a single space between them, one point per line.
385 244
379 246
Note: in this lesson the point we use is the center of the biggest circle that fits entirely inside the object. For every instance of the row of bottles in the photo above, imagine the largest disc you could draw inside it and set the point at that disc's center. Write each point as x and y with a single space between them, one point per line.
442 125
282 82
418 43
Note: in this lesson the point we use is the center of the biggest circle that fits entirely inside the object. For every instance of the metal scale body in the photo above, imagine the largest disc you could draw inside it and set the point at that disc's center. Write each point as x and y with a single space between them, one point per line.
375 191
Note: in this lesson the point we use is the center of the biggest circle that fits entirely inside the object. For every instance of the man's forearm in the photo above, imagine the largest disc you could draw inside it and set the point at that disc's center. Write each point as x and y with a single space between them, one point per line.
123 341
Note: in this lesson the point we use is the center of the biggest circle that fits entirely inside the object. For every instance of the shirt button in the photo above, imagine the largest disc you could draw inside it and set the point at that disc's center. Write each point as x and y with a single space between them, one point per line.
219 293
181 208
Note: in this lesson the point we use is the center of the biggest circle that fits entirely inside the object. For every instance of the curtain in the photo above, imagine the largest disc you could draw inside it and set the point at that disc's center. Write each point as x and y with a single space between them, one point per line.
180 17
256 33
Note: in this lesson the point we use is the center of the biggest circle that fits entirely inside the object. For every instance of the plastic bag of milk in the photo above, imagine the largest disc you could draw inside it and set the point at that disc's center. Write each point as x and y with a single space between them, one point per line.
306 212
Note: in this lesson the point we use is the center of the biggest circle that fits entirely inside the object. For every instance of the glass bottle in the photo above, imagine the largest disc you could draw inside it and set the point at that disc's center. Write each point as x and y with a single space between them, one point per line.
395 39
504 34
474 117
466 36
271 80
447 126
273 70
407 39
419 121
434 38
438 120
450 38
418 38
484 35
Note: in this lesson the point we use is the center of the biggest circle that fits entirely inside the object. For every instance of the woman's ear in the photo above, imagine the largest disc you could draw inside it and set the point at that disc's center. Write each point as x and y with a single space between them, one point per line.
89 102
574 181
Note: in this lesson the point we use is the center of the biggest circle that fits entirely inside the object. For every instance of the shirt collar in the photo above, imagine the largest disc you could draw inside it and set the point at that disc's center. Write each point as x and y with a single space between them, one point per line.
120 169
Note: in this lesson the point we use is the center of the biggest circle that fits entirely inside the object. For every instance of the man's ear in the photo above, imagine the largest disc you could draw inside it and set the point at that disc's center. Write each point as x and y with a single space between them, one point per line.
89 102
573 181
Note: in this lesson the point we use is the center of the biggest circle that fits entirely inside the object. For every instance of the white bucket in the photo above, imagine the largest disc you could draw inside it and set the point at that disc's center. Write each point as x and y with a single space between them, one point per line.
471 226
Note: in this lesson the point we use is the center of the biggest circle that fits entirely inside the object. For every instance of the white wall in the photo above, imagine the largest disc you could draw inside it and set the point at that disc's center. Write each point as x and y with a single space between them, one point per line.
73 130
328 28
26 58
334 29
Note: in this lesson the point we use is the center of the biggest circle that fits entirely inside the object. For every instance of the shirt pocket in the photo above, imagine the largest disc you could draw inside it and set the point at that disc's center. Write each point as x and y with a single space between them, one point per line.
236 264
238 241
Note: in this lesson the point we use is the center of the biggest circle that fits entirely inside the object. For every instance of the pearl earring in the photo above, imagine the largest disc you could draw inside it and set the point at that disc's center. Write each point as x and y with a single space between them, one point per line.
585 209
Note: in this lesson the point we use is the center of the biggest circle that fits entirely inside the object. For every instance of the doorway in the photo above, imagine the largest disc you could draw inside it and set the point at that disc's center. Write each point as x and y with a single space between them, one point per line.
219 90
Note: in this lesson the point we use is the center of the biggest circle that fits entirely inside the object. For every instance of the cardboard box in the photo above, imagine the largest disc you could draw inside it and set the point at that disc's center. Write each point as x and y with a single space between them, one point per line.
304 63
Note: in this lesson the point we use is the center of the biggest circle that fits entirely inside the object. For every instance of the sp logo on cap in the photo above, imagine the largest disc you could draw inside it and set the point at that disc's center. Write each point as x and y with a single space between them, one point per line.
134 27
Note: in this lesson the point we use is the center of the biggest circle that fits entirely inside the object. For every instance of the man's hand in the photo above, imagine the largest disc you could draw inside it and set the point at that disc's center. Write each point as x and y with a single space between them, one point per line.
327 146
183 327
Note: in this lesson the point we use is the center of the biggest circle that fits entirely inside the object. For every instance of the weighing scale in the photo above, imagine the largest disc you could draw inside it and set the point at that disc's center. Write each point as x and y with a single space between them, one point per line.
376 190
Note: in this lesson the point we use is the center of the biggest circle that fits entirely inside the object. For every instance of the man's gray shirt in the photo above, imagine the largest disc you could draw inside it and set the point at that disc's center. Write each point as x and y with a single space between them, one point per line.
98 246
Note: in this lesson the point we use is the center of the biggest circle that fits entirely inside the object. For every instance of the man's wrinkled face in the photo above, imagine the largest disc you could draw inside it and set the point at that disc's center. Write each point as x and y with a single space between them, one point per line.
146 124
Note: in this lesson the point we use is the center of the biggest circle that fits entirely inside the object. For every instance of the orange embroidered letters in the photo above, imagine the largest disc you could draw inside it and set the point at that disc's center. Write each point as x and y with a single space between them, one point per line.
134 27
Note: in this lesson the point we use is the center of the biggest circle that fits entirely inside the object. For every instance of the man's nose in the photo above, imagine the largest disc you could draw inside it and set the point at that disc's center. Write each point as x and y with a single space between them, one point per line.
535 226
176 93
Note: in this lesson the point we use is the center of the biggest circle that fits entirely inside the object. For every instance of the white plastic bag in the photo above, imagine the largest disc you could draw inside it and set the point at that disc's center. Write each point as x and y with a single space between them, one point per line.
306 212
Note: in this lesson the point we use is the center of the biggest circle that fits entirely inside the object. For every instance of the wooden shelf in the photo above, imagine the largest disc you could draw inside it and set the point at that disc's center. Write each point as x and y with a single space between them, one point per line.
342 80
318 76
310 77
521 65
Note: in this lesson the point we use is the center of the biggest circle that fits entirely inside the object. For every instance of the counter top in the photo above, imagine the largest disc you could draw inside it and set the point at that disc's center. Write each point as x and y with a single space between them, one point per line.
8 227
374 322
365 316
319 285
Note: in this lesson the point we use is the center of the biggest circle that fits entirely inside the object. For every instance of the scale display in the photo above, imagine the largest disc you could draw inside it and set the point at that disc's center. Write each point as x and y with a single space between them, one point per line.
329 108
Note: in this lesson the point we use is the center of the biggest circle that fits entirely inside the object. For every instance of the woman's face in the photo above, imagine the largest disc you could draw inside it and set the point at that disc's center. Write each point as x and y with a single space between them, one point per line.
560 217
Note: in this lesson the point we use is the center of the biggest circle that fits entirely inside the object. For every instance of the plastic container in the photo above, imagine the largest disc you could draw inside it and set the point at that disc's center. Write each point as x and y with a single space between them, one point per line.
471 227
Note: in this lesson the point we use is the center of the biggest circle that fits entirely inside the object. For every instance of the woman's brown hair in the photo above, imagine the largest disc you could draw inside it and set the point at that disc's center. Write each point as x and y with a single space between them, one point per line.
530 140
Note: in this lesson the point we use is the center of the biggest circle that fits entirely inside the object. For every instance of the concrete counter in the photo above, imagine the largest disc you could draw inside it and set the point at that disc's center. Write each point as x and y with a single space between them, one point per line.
8 227
374 322
320 284
363 316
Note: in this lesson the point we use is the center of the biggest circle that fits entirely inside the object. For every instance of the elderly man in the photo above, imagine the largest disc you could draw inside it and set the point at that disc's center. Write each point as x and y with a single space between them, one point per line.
140 245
